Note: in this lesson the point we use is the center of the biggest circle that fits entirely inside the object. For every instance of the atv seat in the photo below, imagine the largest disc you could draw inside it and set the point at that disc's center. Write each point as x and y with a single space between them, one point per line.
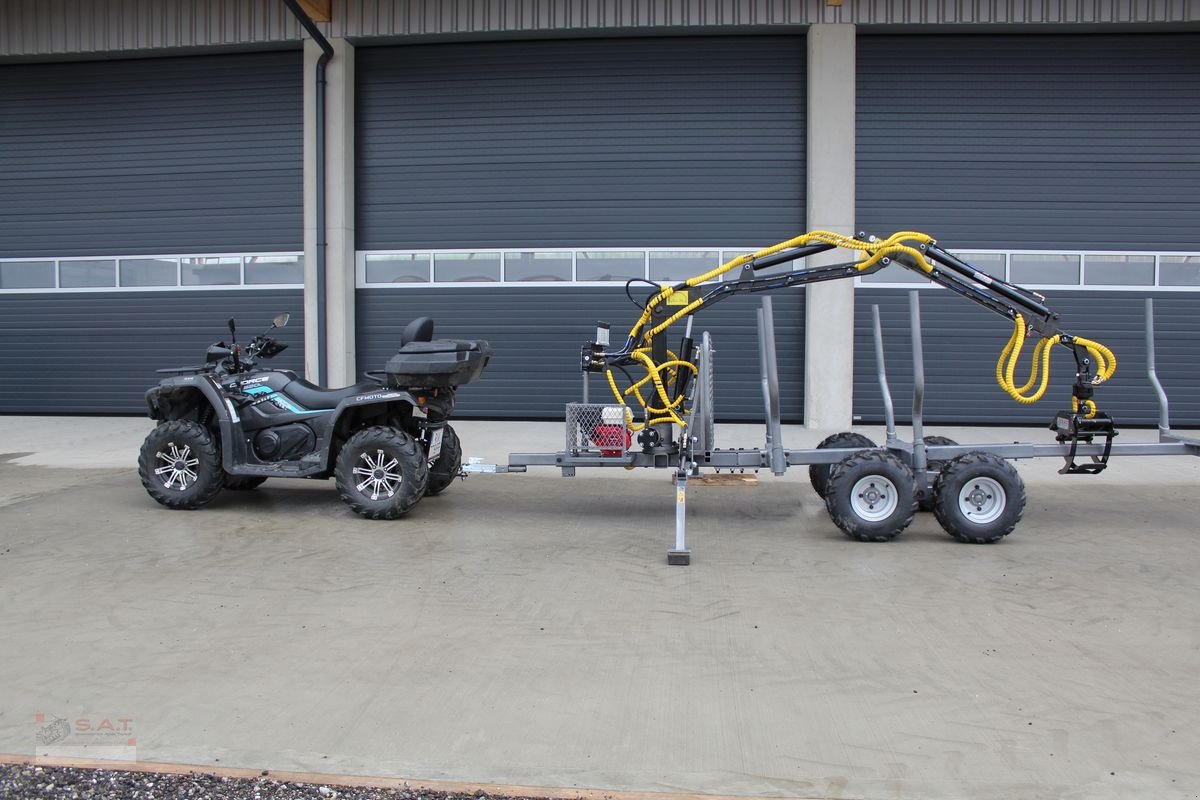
419 330
312 396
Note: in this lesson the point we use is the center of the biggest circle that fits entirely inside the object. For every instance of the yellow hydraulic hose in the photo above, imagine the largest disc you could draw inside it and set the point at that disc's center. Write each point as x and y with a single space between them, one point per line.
903 242
1007 365
875 250
654 373
897 243
1106 362
1106 365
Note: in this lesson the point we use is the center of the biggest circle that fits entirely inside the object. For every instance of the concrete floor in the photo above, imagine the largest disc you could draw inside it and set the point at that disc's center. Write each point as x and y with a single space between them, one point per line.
525 629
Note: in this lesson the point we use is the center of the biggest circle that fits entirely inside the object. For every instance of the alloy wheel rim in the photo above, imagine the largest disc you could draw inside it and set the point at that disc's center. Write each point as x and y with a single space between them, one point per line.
178 467
379 475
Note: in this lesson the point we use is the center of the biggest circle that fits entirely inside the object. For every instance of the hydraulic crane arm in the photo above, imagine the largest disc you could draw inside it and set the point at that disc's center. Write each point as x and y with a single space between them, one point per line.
916 251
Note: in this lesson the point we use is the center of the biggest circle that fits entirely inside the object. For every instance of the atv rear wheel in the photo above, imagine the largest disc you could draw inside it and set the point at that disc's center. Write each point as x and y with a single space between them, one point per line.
381 472
180 465
448 464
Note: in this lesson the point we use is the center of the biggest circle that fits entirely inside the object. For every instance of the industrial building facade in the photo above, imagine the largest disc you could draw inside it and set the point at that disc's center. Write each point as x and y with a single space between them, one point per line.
505 167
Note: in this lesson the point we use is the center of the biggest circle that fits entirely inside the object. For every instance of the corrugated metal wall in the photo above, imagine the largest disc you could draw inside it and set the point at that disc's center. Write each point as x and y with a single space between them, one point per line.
1031 141
97 353
962 342
537 334
37 27
173 155
627 142
372 17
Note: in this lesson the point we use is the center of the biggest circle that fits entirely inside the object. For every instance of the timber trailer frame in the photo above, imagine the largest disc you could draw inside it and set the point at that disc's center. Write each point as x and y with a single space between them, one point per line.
871 492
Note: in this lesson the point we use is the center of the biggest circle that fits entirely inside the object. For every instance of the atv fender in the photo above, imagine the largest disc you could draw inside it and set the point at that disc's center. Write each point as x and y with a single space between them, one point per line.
382 397
192 391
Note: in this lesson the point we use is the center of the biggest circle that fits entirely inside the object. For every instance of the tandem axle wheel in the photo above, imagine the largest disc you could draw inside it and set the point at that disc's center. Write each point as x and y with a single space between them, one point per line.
871 495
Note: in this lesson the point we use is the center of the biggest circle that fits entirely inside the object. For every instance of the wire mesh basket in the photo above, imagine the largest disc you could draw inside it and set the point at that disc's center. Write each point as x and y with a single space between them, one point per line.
598 429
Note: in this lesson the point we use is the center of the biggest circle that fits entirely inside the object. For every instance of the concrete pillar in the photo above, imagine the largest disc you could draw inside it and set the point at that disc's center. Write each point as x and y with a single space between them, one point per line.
829 307
339 215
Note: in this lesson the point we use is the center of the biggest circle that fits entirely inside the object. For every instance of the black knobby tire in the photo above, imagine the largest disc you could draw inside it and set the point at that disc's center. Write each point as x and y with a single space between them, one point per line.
180 465
925 500
448 465
381 472
870 495
818 474
979 498
243 483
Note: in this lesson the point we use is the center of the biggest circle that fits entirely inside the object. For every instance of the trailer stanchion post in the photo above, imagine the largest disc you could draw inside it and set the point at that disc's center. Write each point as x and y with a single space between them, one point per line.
1164 418
889 411
918 403
770 372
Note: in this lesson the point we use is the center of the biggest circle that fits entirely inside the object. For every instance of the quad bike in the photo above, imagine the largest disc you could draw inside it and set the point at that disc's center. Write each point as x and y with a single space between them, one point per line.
230 424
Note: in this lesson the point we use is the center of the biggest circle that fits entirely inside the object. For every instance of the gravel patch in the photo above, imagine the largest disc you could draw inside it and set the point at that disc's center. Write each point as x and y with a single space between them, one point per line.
19 781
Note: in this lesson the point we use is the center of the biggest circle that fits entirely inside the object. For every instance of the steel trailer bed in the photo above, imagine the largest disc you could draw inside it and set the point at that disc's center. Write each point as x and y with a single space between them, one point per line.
696 450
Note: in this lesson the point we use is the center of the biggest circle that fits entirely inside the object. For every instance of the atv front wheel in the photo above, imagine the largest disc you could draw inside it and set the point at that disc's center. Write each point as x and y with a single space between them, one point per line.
448 464
381 472
180 465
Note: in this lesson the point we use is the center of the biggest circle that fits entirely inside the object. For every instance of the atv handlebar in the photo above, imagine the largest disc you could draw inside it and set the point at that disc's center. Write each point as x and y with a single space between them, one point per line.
230 359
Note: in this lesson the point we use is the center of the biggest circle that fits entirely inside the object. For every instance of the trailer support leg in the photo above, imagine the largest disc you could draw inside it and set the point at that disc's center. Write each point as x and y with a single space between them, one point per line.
680 556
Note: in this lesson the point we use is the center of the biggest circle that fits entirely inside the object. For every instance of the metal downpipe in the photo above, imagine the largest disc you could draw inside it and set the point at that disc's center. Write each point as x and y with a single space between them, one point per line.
326 54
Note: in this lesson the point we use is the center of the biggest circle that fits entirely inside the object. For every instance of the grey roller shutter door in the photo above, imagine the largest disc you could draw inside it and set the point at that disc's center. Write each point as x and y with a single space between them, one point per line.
165 156
161 155
1045 141
666 141
76 353
961 349
633 142
1025 142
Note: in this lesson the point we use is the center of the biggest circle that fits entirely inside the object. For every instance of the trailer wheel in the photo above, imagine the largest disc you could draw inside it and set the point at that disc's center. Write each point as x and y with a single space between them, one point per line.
381 472
925 499
870 495
979 498
818 474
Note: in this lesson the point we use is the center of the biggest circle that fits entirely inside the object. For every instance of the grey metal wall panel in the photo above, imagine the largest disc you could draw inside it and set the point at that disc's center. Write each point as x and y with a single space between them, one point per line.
97 353
169 155
38 27
1014 142
537 334
681 141
963 341
376 17
63 27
